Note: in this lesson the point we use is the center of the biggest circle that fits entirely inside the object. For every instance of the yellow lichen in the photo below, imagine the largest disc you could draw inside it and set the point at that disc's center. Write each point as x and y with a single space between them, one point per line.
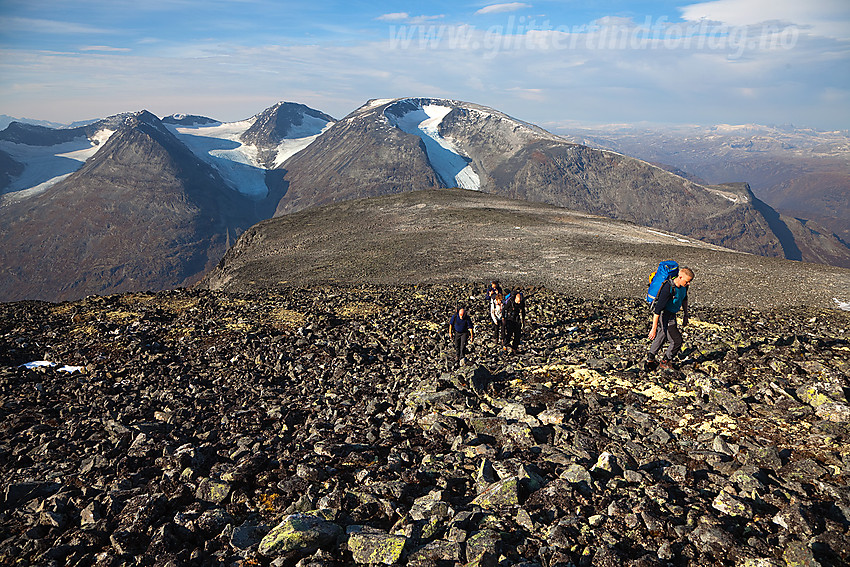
286 318
359 309
705 325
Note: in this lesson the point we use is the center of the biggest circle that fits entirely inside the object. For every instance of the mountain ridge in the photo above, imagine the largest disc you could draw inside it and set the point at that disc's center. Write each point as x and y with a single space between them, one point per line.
439 236
228 176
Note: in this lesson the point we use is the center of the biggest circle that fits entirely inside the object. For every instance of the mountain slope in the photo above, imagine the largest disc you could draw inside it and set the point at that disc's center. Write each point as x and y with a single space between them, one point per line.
135 203
798 171
448 235
142 213
444 143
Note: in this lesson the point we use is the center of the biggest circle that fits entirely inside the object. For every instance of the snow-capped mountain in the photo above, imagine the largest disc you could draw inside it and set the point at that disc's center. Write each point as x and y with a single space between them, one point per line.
127 203
393 145
133 202
33 158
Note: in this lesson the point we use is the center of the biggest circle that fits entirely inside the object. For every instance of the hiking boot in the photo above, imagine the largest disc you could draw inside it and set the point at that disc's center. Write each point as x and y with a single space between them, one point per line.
667 365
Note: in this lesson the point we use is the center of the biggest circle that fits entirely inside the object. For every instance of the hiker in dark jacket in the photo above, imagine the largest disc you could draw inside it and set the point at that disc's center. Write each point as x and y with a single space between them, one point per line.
672 297
461 331
513 316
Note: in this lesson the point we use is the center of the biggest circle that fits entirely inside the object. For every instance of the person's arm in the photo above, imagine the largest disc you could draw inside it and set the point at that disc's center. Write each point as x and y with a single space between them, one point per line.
654 330
471 330
685 311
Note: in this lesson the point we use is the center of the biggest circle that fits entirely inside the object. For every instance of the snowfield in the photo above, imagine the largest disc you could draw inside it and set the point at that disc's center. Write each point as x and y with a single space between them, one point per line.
217 144
220 146
452 167
45 166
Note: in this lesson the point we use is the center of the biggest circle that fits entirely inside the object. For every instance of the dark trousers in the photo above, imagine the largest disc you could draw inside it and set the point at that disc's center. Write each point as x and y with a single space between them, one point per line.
668 331
512 332
497 331
461 339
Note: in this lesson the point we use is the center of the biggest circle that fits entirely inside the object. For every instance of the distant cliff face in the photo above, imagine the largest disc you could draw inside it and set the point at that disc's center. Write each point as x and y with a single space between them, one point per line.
407 144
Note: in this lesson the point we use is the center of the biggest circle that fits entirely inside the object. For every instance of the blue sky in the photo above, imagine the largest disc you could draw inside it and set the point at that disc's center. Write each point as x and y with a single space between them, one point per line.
548 62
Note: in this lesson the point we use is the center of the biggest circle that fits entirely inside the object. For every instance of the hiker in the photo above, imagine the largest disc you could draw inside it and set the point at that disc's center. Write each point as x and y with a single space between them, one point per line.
513 315
461 332
672 296
491 290
497 304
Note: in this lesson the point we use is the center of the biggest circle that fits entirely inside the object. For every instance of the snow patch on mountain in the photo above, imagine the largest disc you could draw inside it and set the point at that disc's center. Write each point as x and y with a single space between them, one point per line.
453 168
299 137
219 146
45 166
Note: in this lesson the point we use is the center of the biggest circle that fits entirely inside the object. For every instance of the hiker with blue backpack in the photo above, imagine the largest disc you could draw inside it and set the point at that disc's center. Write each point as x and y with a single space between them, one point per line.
668 294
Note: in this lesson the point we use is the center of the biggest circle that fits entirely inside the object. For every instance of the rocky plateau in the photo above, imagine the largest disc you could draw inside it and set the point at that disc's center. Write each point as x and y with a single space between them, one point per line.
329 425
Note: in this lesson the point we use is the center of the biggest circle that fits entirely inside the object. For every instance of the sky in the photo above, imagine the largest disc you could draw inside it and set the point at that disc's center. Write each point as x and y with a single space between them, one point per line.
551 62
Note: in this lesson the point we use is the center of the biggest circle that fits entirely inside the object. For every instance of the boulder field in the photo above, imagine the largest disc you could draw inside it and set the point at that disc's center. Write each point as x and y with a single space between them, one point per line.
331 425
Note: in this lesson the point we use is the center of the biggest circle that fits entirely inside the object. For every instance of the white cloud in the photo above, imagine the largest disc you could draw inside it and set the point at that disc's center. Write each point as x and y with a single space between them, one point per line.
408 19
829 18
542 75
502 8
35 25
394 17
103 48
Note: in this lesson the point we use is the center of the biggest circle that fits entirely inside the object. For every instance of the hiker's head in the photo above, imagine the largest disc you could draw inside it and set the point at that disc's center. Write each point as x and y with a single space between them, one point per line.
685 276
461 310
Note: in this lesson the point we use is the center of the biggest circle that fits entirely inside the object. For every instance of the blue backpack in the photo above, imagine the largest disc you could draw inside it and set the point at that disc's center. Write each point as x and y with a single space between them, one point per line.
668 269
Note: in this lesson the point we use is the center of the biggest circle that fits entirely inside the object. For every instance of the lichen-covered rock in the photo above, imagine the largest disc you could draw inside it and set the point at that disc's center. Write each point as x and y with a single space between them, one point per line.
213 490
374 548
731 505
499 494
299 532
338 398
834 411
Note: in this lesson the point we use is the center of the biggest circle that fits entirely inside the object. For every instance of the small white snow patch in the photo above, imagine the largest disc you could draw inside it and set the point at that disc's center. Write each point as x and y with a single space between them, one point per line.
379 101
48 364
843 305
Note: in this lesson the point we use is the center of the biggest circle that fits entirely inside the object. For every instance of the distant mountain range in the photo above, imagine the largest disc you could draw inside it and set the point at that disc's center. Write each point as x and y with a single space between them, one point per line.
134 202
801 172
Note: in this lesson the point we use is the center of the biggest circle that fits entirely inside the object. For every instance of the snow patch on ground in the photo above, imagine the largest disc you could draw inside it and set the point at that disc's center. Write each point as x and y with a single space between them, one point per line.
300 137
843 305
680 239
45 166
379 101
48 364
453 168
